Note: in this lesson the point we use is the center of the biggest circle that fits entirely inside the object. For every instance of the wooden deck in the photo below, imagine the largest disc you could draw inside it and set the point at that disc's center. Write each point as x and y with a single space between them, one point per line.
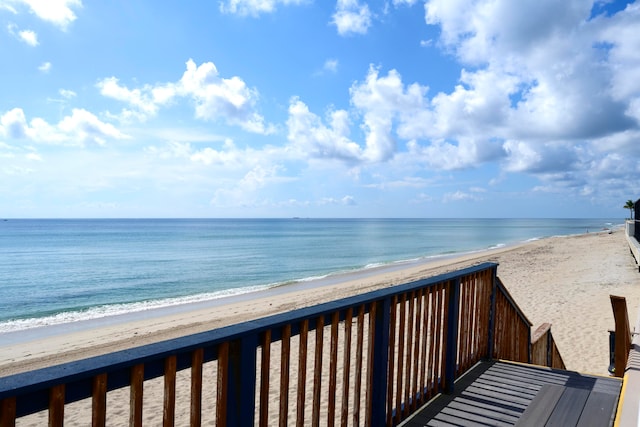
498 393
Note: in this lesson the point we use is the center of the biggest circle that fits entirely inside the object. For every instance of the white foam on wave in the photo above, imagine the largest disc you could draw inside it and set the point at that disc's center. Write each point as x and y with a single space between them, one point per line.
103 311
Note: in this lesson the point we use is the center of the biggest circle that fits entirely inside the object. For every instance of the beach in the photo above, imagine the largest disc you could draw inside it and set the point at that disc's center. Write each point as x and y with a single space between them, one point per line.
565 281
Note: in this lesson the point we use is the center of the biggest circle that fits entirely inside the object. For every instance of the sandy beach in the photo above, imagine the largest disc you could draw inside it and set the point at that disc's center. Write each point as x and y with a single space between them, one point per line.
565 281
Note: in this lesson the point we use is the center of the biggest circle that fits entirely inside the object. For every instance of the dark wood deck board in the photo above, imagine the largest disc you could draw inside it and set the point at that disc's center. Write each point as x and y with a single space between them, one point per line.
488 413
498 393
540 409
598 407
569 408
494 408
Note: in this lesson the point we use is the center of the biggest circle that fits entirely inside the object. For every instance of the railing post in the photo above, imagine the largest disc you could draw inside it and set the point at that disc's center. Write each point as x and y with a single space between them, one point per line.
623 334
492 312
242 381
529 346
549 349
380 362
451 348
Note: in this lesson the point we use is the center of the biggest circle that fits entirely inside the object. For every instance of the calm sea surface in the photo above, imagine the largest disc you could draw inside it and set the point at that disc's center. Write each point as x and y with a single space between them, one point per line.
55 271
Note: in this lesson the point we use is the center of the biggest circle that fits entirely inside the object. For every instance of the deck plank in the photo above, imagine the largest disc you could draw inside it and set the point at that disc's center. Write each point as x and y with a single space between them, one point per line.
569 408
540 409
499 393
599 406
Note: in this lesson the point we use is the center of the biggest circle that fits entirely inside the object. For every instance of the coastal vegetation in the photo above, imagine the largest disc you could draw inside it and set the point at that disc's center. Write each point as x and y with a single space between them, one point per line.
629 205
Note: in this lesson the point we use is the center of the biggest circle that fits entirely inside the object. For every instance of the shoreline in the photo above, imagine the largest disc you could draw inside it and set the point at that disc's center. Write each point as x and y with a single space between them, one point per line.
555 280
80 320
168 308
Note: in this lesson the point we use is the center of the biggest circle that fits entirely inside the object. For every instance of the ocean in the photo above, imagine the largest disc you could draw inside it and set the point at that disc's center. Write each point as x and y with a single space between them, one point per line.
56 271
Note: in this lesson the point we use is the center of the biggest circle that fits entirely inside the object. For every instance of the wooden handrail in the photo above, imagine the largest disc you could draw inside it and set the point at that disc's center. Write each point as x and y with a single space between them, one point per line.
543 348
622 334
411 342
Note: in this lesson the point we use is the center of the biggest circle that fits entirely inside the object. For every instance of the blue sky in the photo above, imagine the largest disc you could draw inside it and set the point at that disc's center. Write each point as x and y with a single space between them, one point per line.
309 108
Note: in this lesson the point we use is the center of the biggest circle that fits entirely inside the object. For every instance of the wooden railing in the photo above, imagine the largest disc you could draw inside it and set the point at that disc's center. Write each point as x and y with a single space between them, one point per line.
371 359
544 350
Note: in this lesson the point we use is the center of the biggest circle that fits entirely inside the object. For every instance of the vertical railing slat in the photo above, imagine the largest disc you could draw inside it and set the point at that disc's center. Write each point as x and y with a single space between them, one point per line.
357 392
416 349
346 367
197 358
136 394
284 375
8 412
492 316
407 355
222 384
302 372
264 378
99 401
333 369
376 388
437 350
169 407
392 353
317 372
431 331
400 370
56 406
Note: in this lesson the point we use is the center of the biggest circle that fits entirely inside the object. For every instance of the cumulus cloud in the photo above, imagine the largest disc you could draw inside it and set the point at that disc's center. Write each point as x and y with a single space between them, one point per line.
545 89
254 7
537 77
229 155
29 37
310 136
58 12
145 101
352 17
215 97
79 128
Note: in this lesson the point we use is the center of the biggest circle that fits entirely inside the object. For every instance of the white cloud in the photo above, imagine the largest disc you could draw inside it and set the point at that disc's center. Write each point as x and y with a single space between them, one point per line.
14 124
458 196
145 101
215 97
45 67
68 94
58 12
345 201
351 17
79 128
404 2
380 100
254 7
34 157
331 65
229 155
245 192
29 37
309 136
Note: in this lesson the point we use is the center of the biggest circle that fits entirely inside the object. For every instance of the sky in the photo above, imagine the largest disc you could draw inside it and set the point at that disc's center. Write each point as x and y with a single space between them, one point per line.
319 108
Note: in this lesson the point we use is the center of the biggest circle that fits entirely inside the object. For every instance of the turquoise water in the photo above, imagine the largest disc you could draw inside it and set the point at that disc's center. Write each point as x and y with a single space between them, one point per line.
55 271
